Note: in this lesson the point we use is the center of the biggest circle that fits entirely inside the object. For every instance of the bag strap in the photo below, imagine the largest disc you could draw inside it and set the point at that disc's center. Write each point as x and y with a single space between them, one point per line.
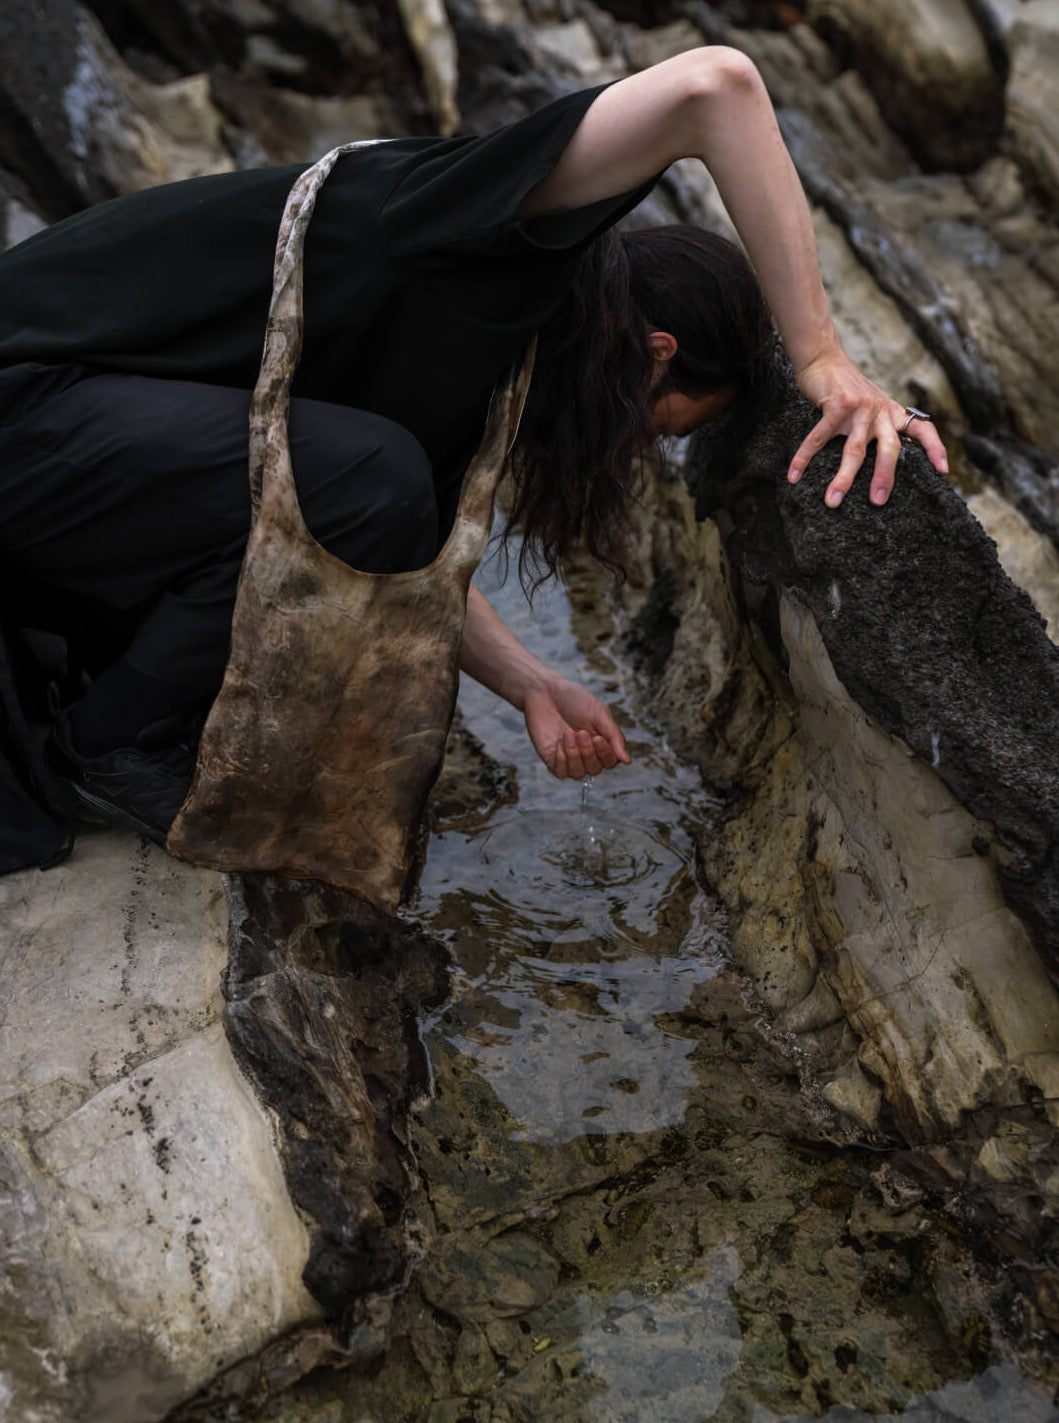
271 477
466 542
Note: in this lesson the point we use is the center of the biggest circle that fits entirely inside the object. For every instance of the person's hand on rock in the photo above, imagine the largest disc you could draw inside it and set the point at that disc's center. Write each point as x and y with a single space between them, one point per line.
851 405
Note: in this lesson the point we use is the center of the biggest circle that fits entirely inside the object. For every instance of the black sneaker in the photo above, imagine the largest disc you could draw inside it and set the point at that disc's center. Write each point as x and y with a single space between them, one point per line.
141 786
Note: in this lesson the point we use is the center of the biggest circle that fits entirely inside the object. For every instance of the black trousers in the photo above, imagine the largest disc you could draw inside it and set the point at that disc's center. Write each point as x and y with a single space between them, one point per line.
125 508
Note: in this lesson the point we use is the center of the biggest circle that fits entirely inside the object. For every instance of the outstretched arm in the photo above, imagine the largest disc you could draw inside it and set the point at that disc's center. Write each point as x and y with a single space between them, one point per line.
711 104
572 730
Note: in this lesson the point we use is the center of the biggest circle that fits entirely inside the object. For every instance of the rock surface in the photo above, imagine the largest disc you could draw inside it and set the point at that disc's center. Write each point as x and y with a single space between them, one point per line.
928 64
876 699
81 126
146 1219
890 619
1032 103
862 859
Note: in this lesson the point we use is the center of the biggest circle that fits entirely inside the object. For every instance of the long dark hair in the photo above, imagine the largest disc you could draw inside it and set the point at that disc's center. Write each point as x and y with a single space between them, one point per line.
575 465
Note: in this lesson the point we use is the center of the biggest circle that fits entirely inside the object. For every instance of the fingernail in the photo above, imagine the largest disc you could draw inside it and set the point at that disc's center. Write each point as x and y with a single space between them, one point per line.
944 466
834 498
793 475
878 496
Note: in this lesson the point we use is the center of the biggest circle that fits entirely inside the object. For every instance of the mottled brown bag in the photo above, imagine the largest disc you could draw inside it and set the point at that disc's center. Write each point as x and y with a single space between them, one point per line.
330 726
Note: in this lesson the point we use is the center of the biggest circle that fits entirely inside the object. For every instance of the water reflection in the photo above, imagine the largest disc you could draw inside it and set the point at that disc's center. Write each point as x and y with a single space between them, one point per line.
603 1092
666 1359
581 1052
669 1358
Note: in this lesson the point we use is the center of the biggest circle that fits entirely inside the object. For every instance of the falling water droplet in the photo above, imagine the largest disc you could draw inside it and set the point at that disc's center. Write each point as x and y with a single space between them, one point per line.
590 829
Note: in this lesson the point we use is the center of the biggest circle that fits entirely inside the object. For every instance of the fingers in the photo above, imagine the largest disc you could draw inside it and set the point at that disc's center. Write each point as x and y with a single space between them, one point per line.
586 755
609 738
825 429
887 453
928 437
854 453
581 753
884 427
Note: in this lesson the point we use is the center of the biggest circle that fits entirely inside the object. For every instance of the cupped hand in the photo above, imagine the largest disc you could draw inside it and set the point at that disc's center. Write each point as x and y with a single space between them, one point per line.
573 732
853 406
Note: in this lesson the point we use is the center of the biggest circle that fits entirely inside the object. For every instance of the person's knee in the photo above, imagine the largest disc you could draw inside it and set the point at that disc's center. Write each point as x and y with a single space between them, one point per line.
367 493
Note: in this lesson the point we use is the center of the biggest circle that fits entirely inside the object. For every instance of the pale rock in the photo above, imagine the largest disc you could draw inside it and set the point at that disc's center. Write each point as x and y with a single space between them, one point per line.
133 134
873 330
251 14
929 66
688 185
267 54
502 12
17 222
854 1096
432 38
997 17
647 47
930 965
572 50
146 1219
1033 91
992 275
998 187
1003 1159
289 127
1027 557
801 74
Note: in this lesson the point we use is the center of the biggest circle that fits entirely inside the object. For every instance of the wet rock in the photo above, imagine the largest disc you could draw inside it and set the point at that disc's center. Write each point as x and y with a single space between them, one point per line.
471 783
81 126
322 994
852 855
1027 478
978 289
1032 105
666 1274
498 1278
928 64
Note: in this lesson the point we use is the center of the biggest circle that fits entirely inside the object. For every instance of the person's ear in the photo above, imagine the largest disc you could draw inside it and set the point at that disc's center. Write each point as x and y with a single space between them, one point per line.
663 346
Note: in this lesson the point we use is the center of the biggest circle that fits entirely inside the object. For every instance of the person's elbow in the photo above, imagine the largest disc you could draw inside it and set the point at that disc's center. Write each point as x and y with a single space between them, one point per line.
717 72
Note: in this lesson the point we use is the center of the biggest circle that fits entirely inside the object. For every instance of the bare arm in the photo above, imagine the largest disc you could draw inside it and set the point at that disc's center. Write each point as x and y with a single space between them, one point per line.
572 730
712 104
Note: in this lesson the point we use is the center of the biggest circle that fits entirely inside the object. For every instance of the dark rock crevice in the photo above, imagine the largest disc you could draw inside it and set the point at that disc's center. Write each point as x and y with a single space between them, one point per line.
323 994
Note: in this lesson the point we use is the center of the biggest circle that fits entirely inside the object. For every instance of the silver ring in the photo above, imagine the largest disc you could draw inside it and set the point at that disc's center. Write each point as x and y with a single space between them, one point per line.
913 414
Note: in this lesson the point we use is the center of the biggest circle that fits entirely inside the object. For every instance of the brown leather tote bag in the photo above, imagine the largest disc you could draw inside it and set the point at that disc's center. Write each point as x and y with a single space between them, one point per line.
330 726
